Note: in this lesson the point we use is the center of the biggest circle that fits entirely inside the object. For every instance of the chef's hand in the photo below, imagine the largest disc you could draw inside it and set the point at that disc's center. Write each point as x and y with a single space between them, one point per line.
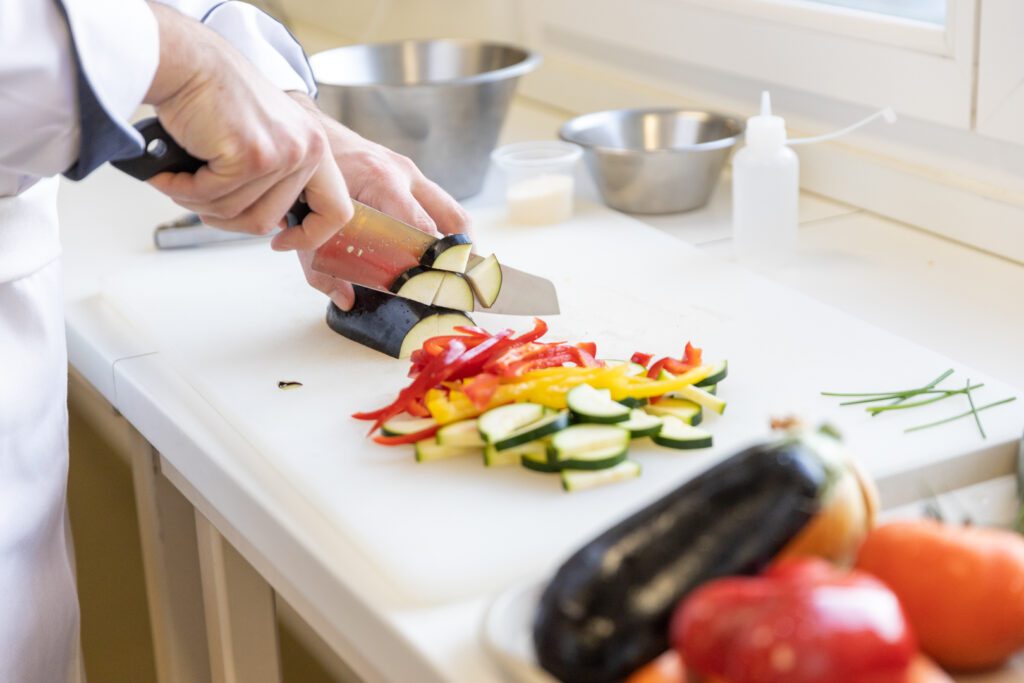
386 181
262 148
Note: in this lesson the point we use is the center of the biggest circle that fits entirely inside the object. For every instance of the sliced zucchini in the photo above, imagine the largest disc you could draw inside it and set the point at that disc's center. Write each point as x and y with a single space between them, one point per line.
534 456
498 423
581 480
429 449
711 389
404 426
551 422
418 284
454 293
595 405
635 369
590 446
631 402
485 277
597 459
464 433
701 396
719 371
495 458
449 253
687 411
641 424
391 324
677 434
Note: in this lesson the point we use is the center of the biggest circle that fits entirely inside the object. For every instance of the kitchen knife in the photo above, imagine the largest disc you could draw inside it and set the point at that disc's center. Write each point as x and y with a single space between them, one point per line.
521 293
188 231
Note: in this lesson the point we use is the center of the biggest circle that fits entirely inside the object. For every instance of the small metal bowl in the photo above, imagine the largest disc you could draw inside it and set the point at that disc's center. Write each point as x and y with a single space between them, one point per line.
440 102
654 160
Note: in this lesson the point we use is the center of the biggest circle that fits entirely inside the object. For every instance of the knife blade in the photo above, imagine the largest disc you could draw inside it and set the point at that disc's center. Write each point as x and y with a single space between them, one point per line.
521 293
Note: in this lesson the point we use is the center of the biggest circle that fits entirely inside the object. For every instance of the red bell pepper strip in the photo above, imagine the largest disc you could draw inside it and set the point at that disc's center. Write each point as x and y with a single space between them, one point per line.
406 438
472 331
641 358
540 328
589 347
431 375
481 388
802 621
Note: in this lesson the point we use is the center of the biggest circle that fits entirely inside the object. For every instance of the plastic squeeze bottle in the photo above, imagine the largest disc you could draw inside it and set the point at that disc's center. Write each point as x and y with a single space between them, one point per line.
765 189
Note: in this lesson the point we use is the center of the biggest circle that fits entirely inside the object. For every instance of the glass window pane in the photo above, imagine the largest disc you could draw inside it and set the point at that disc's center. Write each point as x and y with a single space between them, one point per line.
931 11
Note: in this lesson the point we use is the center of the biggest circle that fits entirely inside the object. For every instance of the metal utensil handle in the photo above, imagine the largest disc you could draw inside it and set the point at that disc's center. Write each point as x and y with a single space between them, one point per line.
163 154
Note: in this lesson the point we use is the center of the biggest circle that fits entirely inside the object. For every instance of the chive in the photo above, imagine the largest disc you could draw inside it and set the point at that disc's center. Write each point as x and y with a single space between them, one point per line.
961 415
974 410
943 396
930 385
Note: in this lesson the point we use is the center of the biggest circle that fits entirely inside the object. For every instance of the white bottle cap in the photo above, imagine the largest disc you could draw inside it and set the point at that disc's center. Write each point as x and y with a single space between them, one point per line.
766 130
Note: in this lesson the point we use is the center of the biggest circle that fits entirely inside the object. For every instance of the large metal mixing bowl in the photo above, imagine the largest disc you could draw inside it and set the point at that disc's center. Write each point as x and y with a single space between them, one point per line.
654 160
440 102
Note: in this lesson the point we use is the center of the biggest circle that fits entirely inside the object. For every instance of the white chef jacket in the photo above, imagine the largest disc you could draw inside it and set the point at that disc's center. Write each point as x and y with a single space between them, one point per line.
71 73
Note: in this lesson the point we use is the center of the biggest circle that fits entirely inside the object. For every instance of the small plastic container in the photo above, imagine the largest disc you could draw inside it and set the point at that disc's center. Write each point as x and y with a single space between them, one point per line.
539 184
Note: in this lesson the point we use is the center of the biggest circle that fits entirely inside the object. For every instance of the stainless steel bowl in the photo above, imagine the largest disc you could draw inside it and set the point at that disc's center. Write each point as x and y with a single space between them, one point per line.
440 102
654 160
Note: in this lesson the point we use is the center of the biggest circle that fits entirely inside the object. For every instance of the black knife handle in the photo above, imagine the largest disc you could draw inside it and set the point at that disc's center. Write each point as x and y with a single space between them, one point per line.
163 154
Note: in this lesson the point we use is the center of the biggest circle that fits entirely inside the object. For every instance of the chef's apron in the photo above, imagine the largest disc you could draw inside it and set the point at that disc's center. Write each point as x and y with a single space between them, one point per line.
38 603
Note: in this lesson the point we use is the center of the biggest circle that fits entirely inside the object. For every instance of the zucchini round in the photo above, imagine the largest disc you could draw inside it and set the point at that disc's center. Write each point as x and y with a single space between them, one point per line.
677 434
581 480
687 411
606 612
405 426
641 424
595 405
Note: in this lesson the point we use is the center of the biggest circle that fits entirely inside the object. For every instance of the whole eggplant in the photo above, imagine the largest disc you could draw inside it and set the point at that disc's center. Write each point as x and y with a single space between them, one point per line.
606 612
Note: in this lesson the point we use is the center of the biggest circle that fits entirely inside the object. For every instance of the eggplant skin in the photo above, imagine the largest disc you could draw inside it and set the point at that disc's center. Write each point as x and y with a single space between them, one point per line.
381 321
607 610
442 245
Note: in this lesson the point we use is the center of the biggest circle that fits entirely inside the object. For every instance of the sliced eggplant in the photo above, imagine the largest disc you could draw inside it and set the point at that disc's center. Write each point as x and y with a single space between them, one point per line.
449 253
485 278
606 612
454 293
418 284
391 324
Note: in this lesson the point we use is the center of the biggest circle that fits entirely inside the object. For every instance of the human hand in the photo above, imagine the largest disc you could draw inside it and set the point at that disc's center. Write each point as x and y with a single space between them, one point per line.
388 182
262 148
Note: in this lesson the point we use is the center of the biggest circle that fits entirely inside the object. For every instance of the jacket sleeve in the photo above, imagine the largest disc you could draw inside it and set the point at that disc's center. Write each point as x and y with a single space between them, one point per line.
72 73
69 79
264 41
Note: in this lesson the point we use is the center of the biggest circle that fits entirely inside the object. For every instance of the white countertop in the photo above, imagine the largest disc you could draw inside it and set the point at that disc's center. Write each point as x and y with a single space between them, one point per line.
957 301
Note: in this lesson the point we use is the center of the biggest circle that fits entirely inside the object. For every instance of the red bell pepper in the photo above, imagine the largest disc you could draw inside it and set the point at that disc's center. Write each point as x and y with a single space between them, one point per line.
481 388
432 374
402 439
690 360
641 358
802 621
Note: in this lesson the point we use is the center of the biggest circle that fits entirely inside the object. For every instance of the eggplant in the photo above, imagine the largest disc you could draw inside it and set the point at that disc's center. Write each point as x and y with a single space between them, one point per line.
485 277
418 284
606 612
391 324
449 253
455 293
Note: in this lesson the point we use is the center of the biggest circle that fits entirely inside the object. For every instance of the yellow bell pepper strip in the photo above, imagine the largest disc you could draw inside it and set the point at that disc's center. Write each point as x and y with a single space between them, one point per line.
649 389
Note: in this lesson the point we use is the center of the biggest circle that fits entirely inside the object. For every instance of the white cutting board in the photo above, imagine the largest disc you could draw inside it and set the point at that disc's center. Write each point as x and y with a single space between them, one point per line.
237 320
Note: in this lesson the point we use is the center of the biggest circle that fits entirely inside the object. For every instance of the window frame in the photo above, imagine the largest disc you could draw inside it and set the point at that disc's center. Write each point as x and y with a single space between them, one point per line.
924 71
